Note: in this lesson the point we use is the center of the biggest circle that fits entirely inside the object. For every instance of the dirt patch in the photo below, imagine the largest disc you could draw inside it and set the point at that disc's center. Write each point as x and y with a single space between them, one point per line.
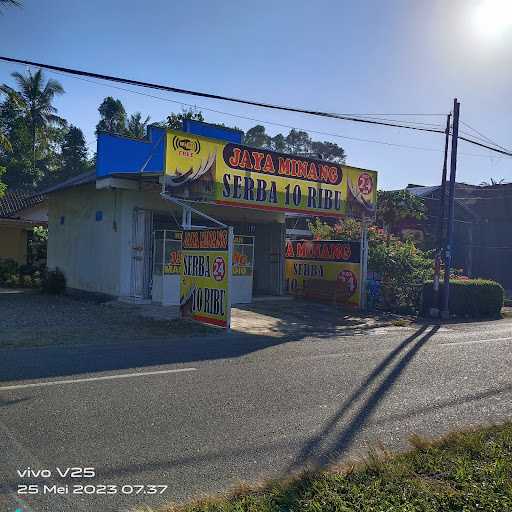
34 319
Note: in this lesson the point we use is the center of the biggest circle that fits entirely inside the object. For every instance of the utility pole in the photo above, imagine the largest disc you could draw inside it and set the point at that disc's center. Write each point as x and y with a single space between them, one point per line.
434 311
445 313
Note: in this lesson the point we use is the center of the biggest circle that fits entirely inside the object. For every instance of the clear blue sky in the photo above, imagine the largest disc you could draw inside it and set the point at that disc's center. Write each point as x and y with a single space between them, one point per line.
361 57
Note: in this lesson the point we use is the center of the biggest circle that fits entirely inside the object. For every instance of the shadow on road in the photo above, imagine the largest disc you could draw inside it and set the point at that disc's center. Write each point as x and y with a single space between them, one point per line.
337 434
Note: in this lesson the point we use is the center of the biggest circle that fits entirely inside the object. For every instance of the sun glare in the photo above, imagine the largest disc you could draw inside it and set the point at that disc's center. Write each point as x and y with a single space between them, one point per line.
494 17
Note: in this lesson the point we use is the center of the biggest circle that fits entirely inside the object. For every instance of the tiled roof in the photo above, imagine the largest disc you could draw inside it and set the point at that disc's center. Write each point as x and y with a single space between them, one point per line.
16 200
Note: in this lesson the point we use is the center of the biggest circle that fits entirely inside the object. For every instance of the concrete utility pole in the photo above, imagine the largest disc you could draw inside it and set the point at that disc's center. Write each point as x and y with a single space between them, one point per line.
445 313
434 310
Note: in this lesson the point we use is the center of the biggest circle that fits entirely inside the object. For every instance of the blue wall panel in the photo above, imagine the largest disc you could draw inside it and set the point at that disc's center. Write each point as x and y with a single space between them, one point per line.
118 154
212 131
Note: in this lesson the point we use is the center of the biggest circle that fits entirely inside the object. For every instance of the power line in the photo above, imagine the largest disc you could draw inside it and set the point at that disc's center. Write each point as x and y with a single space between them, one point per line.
189 92
483 137
256 120
150 85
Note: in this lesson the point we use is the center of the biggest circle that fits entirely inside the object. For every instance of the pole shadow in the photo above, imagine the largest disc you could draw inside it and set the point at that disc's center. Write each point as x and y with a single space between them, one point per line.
318 451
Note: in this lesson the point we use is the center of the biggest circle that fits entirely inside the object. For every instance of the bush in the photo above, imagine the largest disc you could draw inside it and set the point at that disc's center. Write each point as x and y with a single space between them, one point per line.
8 268
53 282
468 298
402 267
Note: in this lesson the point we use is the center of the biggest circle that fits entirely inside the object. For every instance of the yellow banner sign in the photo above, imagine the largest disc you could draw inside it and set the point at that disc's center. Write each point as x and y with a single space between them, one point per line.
231 174
206 276
327 271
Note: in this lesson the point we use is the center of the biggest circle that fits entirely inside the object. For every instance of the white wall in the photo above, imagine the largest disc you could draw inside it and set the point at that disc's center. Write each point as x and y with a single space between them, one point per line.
86 250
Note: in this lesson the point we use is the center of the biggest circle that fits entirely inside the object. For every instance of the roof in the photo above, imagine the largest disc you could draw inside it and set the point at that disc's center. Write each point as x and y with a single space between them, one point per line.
81 179
421 191
492 202
16 200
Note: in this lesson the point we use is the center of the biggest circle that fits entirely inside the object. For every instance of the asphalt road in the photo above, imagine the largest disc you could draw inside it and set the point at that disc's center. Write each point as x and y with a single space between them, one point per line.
240 408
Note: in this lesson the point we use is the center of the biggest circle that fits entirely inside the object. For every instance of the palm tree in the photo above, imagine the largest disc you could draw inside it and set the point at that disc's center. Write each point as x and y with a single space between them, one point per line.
136 126
492 183
34 100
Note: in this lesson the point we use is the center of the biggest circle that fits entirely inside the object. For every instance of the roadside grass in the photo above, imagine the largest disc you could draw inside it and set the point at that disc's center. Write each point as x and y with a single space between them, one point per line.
463 472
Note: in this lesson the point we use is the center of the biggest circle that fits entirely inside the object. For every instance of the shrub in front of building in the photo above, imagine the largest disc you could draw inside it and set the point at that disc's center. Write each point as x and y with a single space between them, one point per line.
53 282
469 298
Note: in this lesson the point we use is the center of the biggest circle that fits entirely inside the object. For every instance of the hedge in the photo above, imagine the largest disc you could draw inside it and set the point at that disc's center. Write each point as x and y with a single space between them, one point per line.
468 297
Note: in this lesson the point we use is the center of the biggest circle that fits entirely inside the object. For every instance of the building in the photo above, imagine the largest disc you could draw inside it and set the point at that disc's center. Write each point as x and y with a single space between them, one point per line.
482 237
20 212
117 230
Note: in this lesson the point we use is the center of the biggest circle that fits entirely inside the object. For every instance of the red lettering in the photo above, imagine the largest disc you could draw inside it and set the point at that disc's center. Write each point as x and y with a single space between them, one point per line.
235 157
302 169
245 162
333 178
269 164
258 158
313 173
284 166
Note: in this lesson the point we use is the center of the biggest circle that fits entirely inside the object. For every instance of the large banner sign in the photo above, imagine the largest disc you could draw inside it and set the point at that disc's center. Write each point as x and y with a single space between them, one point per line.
231 174
327 270
206 275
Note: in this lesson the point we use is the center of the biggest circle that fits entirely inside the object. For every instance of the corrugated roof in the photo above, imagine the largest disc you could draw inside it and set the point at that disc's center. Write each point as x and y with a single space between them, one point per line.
82 179
16 200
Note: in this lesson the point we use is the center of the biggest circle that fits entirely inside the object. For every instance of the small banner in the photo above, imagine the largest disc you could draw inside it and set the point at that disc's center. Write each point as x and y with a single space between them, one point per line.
206 261
324 270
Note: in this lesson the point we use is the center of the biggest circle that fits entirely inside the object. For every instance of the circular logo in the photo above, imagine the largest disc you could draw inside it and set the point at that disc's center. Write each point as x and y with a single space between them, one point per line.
219 269
350 279
365 183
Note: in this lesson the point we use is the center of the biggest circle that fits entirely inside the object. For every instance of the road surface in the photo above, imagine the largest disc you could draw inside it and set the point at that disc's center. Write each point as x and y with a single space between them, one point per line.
201 415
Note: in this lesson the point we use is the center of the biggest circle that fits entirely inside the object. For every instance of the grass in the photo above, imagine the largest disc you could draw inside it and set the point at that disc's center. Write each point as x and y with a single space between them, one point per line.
463 472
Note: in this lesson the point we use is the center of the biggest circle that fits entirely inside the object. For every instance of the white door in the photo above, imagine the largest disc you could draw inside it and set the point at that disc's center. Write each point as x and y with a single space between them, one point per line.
141 254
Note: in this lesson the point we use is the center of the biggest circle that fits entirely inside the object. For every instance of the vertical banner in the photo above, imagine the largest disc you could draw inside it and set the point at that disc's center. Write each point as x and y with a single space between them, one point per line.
206 268
325 270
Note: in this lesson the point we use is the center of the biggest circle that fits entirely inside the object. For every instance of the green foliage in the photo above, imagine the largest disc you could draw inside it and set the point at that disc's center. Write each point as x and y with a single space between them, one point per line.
175 121
29 121
465 471
136 127
3 186
471 298
53 282
112 117
297 141
8 268
396 205
403 267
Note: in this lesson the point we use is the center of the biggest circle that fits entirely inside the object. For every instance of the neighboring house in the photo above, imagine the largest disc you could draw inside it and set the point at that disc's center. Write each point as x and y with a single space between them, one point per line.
20 212
482 235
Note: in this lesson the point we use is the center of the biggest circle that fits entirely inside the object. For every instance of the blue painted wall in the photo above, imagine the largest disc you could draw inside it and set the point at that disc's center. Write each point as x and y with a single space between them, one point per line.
213 131
118 154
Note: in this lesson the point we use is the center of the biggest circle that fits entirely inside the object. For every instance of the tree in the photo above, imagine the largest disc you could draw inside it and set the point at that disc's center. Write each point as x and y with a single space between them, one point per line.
402 266
328 151
396 205
112 117
492 182
74 153
3 186
136 127
34 100
298 142
257 137
175 121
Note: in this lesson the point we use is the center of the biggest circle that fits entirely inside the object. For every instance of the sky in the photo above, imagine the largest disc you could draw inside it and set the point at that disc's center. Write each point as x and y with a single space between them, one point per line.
395 58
